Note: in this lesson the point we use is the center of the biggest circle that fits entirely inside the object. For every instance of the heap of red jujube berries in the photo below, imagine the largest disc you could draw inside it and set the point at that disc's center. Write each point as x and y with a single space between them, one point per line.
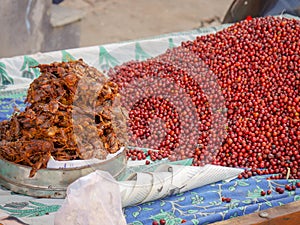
249 73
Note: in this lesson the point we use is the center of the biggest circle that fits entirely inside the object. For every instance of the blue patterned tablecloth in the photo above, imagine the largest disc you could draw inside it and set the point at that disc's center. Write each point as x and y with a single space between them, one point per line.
7 106
204 205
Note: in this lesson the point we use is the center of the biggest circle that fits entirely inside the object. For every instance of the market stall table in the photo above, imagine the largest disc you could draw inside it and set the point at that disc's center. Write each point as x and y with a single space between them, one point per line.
202 205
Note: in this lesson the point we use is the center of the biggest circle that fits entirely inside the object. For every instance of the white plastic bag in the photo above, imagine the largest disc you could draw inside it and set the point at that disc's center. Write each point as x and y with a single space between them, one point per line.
92 200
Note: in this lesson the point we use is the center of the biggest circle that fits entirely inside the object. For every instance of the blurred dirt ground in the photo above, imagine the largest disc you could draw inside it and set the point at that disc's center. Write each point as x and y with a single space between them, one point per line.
108 21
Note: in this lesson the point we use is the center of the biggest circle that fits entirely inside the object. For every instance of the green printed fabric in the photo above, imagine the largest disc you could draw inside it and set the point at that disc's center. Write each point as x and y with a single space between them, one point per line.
17 73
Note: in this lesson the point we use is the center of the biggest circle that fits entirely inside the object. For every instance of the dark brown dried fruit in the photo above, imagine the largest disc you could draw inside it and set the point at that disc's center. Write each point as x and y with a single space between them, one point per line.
68 116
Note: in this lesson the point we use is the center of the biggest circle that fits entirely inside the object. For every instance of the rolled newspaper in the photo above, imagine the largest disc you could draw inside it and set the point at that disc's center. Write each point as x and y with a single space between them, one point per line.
170 179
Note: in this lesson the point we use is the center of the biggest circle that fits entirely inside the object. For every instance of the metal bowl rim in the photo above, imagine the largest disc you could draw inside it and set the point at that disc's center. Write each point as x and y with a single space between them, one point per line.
68 169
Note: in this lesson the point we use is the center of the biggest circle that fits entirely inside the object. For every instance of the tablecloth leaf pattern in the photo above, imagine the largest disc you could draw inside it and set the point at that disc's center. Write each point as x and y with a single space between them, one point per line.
204 205
66 56
28 67
106 60
171 43
140 54
4 78
7 106
29 209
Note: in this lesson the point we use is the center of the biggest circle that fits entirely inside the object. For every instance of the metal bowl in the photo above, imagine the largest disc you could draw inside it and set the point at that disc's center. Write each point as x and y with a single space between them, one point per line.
53 183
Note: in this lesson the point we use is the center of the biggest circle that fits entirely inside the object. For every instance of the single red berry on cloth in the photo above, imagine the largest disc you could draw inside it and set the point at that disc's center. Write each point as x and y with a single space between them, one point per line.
298 184
269 192
228 200
155 222
147 162
262 193
162 222
183 221
277 189
288 187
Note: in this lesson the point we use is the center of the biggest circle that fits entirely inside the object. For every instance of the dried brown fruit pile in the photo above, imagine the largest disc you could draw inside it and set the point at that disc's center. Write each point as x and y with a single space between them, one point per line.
68 108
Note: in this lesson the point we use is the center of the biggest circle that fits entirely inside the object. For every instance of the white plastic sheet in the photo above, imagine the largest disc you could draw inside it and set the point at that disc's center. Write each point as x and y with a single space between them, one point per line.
92 200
